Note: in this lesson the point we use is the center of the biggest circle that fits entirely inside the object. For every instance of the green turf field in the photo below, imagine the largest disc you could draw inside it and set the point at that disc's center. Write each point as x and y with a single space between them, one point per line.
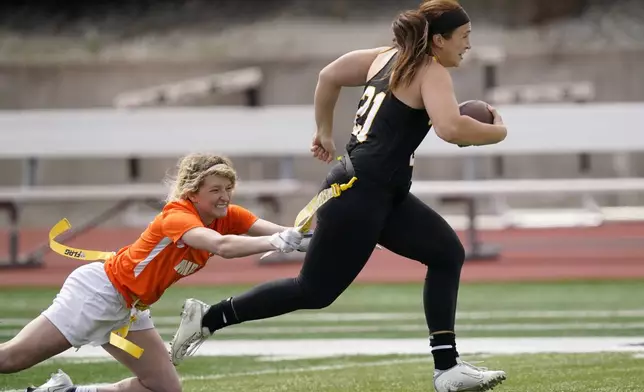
608 309
526 373
521 309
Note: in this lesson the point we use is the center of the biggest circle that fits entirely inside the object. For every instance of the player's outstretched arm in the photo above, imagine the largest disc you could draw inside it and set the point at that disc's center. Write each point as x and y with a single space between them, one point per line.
232 246
437 91
263 227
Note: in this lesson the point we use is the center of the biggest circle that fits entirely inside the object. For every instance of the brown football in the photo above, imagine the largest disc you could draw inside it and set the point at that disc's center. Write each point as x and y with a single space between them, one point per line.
477 110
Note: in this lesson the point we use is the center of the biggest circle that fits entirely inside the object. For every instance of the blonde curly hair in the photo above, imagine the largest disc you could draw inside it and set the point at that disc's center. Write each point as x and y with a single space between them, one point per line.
193 170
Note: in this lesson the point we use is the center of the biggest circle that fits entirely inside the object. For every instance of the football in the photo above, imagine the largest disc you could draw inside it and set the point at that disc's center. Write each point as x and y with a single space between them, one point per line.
477 110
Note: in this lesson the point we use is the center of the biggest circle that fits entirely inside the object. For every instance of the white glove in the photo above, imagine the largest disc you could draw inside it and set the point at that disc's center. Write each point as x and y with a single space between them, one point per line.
286 241
306 239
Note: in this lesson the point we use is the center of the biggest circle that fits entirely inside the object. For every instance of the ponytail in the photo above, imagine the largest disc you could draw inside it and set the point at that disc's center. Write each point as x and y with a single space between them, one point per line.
413 32
411 37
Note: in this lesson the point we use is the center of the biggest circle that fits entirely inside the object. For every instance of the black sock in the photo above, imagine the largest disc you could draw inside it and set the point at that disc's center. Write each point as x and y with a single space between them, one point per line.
444 350
220 315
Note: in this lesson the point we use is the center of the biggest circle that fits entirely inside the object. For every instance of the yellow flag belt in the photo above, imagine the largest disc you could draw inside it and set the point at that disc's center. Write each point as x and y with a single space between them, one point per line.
117 337
304 218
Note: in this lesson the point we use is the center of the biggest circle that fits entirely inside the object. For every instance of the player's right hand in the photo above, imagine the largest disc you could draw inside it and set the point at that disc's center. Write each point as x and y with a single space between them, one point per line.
323 147
286 241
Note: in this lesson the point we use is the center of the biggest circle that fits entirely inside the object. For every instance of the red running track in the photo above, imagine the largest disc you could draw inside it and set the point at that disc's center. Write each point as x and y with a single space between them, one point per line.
611 251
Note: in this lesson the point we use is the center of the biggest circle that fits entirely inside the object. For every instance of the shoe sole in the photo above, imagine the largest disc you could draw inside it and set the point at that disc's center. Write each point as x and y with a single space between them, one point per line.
172 357
488 386
177 360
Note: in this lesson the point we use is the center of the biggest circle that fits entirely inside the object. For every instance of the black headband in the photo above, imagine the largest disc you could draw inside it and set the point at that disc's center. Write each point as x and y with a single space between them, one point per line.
448 21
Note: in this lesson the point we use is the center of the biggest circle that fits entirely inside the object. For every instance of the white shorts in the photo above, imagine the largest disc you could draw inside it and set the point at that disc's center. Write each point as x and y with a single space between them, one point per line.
88 307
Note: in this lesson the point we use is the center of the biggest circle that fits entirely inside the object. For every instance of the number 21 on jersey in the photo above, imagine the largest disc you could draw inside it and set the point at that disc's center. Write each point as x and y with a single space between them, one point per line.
367 112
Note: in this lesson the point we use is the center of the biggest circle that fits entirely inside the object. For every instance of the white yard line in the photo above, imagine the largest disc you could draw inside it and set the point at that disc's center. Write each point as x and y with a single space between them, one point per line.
341 347
374 316
391 328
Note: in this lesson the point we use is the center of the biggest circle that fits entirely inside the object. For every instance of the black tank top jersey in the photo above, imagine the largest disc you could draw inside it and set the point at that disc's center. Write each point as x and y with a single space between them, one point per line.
386 132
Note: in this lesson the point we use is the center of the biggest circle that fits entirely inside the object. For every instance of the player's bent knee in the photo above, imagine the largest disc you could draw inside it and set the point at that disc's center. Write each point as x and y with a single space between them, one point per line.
319 302
459 254
449 260
320 299
314 294
454 254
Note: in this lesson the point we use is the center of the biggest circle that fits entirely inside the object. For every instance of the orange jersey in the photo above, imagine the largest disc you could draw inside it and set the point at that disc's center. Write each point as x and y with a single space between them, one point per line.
158 258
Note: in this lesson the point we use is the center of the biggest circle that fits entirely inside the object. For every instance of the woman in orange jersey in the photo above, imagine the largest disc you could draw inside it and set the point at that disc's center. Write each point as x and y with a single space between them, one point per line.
97 299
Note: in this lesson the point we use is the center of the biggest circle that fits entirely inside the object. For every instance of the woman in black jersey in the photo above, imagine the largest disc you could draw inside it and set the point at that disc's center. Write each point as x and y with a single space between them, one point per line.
405 86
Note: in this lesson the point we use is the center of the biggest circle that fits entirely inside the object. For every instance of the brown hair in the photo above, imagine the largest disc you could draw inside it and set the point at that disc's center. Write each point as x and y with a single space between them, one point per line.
193 170
413 40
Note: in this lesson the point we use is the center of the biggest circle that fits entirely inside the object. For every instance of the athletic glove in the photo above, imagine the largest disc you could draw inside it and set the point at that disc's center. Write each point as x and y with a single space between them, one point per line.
286 241
306 239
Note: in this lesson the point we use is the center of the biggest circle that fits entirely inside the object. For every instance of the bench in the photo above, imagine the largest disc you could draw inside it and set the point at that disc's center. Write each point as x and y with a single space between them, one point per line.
285 132
469 192
146 133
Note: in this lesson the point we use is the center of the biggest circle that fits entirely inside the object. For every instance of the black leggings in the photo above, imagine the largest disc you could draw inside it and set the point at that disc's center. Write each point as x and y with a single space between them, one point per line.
347 231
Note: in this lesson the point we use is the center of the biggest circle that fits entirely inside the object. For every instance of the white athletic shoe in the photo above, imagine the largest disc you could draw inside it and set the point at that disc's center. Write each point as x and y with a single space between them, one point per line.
190 334
59 382
467 377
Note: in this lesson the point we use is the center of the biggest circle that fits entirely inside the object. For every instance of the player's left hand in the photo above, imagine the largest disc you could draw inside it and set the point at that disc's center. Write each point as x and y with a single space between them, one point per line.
323 147
306 239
